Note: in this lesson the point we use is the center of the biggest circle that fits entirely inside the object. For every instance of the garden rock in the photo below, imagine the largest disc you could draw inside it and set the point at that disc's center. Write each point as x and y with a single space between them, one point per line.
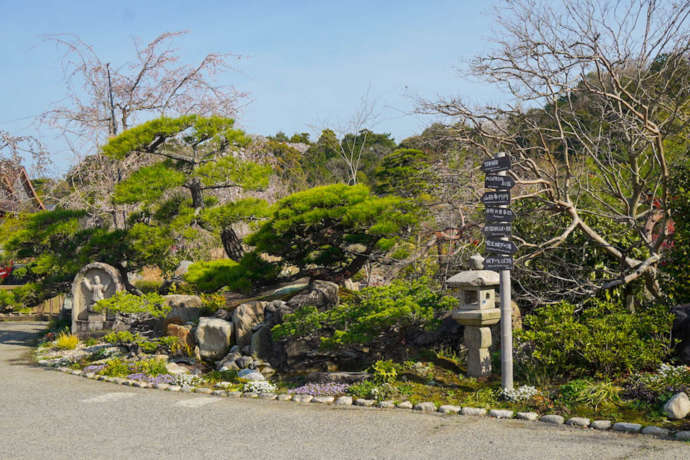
228 362
448 409
261 343
501 413
176 369
320 294
244 318
183 309
245 362
183 334
386 404
655 431
627 427
553 419
578 421
683 436
678 406
344 401
473 411
404 405
213 336
251 374
284 397
323 399
274 312
601 424
531 416
425 407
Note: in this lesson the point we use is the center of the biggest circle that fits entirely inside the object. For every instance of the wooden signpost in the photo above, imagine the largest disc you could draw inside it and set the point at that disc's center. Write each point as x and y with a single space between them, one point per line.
497 231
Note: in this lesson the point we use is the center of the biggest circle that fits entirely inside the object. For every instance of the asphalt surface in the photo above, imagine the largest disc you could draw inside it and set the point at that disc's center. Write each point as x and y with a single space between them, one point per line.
48 414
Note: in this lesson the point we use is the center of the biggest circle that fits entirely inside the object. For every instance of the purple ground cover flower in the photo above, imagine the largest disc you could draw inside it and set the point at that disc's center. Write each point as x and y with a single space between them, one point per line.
320 389
93 368
163 378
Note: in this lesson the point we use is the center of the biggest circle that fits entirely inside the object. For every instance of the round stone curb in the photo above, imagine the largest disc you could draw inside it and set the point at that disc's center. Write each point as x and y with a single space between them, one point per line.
682 436
424 407
449 409
365 402
530 416
578 421
553 419
473 411
343 401
655 431
627 427
601 424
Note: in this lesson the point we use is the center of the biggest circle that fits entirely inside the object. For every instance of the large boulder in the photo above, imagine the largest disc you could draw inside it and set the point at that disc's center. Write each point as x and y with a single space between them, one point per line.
678 406
183 334
143 324
183 309
320 294
245 318
262 343
214 337
681 331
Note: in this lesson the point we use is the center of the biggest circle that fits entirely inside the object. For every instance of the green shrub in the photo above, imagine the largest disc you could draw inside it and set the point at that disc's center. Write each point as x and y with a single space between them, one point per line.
116 368
602 340
591 394
66 341
119 337
152 367
384 371
148 286
124 302
212 275
373 311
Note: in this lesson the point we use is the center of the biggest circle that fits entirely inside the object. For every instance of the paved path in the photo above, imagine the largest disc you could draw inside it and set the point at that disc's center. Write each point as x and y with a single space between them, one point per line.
47 414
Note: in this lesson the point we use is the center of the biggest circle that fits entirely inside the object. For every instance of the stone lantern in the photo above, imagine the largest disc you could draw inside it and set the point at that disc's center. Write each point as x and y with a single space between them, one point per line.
475 289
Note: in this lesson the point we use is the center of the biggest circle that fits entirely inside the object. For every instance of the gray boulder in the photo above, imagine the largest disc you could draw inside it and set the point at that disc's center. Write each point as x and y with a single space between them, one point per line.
245 362
245 318
183 309
262 343
320 294
678 406
214 337
251 375
228 362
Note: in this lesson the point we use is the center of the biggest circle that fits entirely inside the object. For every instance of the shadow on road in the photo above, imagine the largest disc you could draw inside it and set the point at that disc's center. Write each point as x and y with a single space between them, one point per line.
19 335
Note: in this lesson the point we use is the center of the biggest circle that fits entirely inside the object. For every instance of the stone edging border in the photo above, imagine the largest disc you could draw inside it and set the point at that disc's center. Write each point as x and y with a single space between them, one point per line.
425 407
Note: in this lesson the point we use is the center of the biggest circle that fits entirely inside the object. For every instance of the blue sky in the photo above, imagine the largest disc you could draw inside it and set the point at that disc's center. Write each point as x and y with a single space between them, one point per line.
307 63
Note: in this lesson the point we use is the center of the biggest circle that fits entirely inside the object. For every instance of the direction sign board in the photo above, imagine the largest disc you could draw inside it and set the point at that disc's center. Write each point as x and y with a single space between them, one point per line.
496 164
496 198
499 182
498 263
501 247
497 230
499 215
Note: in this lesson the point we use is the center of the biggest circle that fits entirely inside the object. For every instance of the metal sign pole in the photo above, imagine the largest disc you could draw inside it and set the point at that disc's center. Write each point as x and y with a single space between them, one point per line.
506 318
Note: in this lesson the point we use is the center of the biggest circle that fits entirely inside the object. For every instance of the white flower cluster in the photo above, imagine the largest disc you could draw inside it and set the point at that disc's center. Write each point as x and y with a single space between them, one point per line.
187 380
522 393
673 372
259 387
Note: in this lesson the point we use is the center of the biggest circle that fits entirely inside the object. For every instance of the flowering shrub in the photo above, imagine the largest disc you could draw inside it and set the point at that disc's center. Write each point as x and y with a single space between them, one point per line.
186 380
659 386
518 394
66 341
259 387
320 389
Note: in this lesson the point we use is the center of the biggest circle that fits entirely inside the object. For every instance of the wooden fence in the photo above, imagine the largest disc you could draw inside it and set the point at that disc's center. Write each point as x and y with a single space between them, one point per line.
50 306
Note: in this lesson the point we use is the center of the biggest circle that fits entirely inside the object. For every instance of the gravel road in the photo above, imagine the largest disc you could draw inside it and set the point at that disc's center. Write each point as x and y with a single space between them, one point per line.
47 414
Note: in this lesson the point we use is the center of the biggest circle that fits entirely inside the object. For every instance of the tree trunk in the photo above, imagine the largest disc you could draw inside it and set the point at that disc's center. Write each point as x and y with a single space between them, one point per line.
197 196
232 244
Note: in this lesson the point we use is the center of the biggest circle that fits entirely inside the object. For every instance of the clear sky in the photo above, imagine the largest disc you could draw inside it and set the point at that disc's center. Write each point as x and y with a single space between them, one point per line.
308 63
